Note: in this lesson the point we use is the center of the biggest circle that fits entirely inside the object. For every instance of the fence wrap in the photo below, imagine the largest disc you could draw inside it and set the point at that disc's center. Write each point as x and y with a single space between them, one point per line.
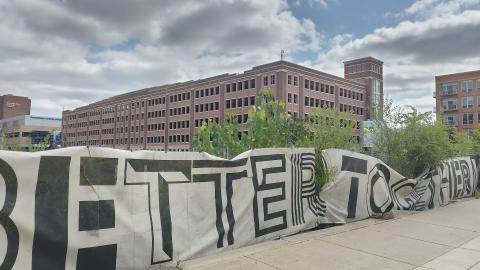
99 208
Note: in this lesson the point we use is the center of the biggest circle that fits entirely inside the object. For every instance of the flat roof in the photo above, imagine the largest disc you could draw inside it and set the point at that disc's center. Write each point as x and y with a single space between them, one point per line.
458 73
368 58
210 80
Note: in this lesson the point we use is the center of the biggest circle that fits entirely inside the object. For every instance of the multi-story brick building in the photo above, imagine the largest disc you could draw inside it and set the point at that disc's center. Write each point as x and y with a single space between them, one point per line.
165 117
458 99
11 106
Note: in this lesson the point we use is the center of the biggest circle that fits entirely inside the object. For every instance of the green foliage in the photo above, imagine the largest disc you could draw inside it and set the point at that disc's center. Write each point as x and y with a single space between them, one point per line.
269 126
412 142
477 193
43 145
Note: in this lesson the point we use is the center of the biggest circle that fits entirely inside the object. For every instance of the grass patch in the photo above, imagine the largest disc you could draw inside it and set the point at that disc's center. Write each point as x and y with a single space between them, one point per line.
477 193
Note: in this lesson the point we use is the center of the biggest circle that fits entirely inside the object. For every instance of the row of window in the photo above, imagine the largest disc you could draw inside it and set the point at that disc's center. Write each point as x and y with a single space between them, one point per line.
207 107
351 94
157 126
180 97
108 131
156 114
451 103
108 121
207 92
198 122
179 138
180 111
240 102
315 102
324 88
352 109
467 119
364 67
179 124
245 85
93 132
156 139
156 101
450 88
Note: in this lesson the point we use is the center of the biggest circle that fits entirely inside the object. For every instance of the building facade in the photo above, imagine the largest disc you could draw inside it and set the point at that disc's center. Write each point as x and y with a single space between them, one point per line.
25 131
165 117
458 99
11 106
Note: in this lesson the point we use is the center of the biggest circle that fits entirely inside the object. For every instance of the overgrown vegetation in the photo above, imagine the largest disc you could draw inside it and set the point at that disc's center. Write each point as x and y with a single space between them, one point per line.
269 126
412 142
41 146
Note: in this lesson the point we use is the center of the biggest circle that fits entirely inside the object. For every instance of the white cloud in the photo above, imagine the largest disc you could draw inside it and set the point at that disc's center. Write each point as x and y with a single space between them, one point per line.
414 51
73 52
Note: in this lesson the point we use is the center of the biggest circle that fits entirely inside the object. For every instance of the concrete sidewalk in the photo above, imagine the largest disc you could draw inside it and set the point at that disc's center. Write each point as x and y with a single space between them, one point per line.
445 238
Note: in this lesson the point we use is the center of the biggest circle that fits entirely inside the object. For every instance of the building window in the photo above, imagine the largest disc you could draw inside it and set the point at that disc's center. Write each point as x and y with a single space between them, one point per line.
449 104
306 101
467 102
272 79
252 83
317 86
245 85
227 104
449 88
289 98
450 119
307 83
265 80
295 98
467 118
289 79
295 80
478 84
240 86
467 86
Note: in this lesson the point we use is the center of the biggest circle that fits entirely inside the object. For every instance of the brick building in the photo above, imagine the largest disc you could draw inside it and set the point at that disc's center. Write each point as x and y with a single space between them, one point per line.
11 106
165 117
458 99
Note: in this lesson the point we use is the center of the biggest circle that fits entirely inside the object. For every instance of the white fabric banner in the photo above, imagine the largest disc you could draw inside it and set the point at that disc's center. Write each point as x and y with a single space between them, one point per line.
99 208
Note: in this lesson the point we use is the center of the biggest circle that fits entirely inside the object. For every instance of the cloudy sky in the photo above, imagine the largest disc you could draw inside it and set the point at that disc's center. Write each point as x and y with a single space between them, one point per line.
68 53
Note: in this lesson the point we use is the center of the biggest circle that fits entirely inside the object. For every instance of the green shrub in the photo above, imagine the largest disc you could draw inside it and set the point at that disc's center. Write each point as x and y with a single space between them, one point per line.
412 142
269 126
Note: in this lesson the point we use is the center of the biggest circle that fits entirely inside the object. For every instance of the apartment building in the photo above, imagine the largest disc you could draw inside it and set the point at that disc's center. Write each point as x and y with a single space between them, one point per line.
165 117
458 99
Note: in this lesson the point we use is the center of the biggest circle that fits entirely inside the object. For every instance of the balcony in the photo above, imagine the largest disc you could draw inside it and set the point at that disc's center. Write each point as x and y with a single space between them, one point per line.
449 109
448 94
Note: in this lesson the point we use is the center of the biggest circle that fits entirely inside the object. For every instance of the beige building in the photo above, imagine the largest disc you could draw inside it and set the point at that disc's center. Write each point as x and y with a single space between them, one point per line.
458 99
25 131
